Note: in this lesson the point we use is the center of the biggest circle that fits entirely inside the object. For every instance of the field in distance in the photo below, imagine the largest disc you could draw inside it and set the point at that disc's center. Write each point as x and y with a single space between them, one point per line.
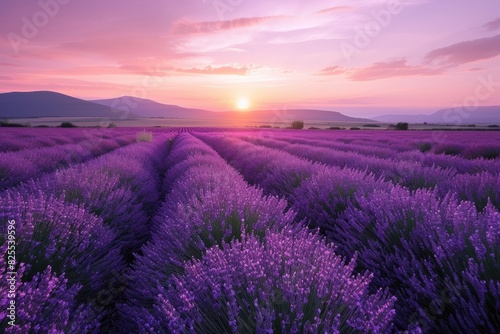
234 122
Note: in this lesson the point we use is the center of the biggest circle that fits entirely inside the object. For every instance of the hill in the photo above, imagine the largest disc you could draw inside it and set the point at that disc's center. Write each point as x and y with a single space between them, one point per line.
457 116
49 104
149 108
52 104
288 115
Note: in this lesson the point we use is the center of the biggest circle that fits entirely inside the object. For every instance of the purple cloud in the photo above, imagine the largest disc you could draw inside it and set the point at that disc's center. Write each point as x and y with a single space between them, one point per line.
333 9
332 70
186 27
492 25
465 52
390 69
222 70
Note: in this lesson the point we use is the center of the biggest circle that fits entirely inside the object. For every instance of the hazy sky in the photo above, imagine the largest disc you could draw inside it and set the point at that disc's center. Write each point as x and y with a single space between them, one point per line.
363 57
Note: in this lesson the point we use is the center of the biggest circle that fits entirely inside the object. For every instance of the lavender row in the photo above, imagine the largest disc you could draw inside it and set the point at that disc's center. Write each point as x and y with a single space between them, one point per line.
63 258
308 186
433 252
479 182
370 151
121 187
408 174
407 239
439 256
17 167
207 204
479 188
12 139
87 252
469 144
288 282
279 173
17 139
224 258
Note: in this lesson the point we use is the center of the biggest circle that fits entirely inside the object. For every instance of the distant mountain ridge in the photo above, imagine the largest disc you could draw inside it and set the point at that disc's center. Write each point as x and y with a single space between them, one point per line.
456 116
49 104
52 104
289 115
149 108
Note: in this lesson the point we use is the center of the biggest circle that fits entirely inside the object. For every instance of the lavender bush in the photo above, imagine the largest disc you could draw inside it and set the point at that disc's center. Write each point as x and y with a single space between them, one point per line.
278 173
44 304
16 167
290 283
66 237
120 194
421 246
409 174
395 251
323 197
207 205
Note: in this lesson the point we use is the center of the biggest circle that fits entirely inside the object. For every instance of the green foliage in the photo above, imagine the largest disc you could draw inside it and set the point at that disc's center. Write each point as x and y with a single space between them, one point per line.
402 126
489 152
448 149
7 123
68 125
298 125
424 147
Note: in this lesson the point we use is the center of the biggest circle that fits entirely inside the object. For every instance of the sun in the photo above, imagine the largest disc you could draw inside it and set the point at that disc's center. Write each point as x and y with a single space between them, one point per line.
242 104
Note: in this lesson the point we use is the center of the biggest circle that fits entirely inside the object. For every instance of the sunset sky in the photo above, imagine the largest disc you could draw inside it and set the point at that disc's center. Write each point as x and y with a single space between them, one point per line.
362 58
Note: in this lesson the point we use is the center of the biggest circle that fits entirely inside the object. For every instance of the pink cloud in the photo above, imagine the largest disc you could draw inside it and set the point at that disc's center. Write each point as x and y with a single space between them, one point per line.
390 69
333 9
72 87
147 70
465 52
332 70
223 70
492 25
119 48
9 65
157 71
110 70
186 27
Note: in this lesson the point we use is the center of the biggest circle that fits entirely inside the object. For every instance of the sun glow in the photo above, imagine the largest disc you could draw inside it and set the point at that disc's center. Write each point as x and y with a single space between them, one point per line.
242 104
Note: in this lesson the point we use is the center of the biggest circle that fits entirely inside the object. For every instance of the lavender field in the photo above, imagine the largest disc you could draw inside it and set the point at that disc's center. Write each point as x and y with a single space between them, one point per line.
198 230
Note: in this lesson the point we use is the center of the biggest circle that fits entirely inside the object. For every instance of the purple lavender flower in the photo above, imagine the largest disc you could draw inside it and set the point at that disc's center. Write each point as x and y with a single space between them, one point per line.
17 167
438 255
66 237
208 204
325 195
291 283
45 303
